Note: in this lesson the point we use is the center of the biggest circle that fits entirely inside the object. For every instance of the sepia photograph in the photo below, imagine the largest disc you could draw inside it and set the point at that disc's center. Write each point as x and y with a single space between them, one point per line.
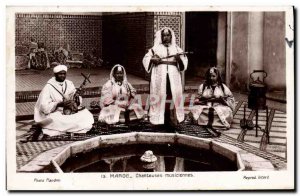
153 98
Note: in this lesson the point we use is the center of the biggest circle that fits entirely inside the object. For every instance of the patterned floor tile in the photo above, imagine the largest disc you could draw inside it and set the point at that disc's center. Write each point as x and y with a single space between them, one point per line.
274 150
277 141
235 136
279 129
233 131
253 133
252 138
279 124
279 119
20 133
281 154
277 134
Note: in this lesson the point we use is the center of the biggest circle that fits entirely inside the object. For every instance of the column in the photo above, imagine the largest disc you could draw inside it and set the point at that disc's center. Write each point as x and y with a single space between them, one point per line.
255 58
221 46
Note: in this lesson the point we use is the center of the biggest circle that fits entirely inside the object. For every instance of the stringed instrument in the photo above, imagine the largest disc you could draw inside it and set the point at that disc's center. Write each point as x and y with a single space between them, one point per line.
73 107
204 101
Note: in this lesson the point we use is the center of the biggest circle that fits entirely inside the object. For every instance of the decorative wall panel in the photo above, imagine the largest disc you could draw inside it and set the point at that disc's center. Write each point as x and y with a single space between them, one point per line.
81 33
169 19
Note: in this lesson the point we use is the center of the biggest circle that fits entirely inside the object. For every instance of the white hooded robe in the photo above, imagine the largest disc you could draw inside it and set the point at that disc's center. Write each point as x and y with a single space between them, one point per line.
159 74
110 104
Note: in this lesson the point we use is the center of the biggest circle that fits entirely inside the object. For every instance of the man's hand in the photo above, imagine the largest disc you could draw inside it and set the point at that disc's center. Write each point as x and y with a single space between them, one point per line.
122 104
217 100
155 59
60 104
122 101
222 100
200 101
177 57
67 103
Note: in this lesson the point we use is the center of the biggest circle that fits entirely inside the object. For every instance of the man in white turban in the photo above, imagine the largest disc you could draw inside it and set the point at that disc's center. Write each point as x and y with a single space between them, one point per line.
165 78
48 110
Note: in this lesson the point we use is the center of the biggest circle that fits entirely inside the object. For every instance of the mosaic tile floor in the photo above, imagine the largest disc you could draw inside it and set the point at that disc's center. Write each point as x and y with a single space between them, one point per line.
275 151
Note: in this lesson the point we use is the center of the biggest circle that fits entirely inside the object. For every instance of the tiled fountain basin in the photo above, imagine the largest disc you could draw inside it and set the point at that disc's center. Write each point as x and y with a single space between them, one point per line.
228 151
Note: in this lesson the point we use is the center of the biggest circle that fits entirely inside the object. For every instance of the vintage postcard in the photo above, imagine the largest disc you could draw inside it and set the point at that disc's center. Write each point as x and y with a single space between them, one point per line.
150 98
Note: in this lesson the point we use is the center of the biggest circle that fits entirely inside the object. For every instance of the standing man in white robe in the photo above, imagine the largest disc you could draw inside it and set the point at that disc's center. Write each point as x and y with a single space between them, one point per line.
48 111
166 81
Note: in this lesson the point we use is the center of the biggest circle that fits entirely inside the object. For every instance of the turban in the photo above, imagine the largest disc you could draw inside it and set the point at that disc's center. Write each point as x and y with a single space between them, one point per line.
59 68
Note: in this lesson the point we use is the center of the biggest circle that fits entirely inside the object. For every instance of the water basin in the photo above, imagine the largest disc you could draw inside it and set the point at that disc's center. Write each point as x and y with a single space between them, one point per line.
122 153
126 158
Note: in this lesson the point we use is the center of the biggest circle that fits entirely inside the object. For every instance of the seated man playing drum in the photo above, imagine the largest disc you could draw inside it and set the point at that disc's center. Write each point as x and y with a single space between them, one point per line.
117 97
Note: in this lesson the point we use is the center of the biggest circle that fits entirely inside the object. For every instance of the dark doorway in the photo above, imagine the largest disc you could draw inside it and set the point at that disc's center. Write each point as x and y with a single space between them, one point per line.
114 41
124 41
201 36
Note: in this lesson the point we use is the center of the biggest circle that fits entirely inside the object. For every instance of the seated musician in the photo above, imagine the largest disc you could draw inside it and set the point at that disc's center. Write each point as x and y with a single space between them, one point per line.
117 97
215 103
57 111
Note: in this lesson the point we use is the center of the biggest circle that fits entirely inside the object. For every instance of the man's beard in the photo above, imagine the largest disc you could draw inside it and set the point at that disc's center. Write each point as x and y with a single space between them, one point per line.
60 79
119 81
166 44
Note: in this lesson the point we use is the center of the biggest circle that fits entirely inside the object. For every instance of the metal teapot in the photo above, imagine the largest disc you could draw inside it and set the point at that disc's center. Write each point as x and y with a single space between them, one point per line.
258 90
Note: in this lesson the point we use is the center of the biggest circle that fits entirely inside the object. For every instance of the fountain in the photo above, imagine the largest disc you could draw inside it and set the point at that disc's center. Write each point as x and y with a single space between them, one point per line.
149 160
147 152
